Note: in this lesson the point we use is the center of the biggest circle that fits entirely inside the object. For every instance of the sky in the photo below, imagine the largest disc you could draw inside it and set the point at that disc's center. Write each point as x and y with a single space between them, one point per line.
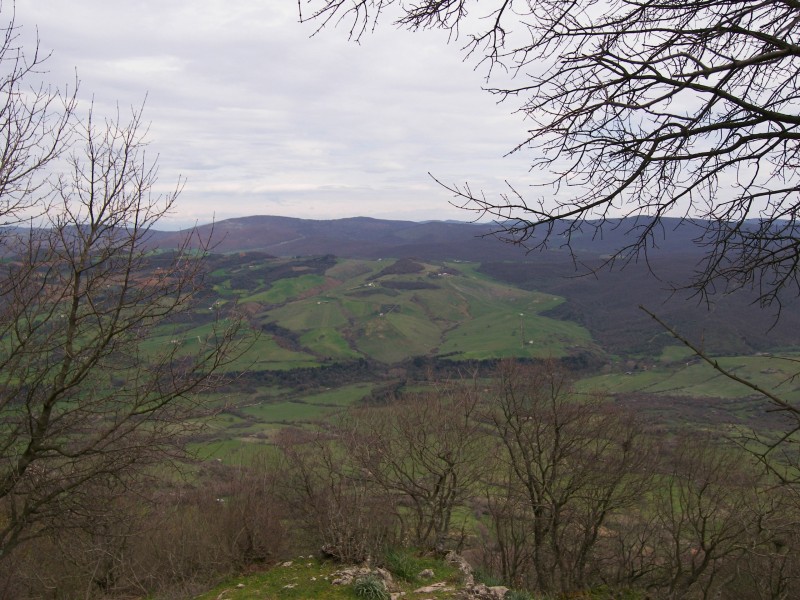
262 117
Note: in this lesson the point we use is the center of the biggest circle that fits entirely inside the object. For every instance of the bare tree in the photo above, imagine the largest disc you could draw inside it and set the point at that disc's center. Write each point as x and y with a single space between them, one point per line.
715 513
427 450
337 506
35 129
642 108
569 467
87 401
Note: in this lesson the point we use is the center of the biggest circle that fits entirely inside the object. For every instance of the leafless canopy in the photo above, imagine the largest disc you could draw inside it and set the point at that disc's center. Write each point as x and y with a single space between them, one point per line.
88 400
639 108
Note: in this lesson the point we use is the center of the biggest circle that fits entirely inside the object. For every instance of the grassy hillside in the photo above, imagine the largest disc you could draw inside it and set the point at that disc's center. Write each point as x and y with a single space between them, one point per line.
332 332
318 310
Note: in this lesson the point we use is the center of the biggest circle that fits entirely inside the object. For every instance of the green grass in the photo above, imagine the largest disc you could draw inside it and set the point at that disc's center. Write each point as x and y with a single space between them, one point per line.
327 342
288 412
267 355
466 316
405 565
343 396
229 451
307 577
311 313
701 380
502 335
255 417
287 289
392 337
302 579
675 353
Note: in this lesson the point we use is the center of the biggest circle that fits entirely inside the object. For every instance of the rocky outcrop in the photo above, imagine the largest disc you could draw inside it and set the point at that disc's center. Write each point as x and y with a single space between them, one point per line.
460 563
468 590
480 591
351 574
472 590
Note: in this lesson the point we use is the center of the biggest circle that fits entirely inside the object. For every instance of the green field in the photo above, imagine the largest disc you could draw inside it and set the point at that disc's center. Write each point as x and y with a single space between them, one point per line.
692 377
314 313
286 290
378 310
249 420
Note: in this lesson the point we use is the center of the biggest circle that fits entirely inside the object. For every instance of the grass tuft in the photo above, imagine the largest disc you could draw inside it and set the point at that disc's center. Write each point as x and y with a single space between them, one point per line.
371 587
402 564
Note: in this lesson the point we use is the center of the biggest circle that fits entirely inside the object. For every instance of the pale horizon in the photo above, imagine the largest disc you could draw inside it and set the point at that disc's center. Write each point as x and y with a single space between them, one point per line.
260 117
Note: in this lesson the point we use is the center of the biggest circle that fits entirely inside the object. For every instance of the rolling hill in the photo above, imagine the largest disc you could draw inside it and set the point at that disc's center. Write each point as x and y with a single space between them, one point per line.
605 303
323 309
360 309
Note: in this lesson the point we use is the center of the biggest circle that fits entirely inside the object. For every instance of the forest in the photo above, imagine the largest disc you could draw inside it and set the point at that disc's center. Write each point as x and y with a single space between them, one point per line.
592 395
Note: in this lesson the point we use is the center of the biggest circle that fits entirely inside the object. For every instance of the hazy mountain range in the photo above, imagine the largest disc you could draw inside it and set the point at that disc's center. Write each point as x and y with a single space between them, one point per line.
606 302
363 237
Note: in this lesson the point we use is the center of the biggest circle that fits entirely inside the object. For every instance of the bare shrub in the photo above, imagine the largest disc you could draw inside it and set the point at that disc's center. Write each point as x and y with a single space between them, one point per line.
569 466
427 451
333 504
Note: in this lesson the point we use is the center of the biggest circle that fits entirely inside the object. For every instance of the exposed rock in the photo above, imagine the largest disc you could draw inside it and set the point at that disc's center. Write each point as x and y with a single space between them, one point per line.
480 591
463 566
433 588
469 591
472 590
349 575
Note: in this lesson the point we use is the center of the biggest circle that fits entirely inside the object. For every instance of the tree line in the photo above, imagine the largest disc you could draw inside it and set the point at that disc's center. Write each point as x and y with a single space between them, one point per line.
548 491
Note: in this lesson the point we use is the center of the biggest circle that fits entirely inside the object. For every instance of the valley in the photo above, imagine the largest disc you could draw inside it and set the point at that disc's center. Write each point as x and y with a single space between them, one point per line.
383 403
333 331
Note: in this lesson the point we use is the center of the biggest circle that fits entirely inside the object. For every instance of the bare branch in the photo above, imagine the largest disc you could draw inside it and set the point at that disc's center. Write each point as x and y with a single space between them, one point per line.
646 109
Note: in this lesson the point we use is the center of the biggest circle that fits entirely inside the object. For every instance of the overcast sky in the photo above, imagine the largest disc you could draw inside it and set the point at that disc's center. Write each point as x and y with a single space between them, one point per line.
262 118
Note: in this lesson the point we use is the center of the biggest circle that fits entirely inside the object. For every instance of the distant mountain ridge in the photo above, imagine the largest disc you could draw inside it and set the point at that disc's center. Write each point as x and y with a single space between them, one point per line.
608 305
365 237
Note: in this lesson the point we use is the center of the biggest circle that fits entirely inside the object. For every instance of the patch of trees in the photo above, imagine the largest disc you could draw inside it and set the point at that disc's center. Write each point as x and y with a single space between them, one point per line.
253 270
285 338
417 369
543 489
238 260
325 375
442 368
314 265
164 540
729 325
551 493
404 266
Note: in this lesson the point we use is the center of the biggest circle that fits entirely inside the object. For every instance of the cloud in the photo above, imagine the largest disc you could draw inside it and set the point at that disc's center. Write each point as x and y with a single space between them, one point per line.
261 118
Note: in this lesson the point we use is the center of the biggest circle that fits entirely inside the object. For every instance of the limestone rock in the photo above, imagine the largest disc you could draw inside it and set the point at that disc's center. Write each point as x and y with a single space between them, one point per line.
433 588
480 591
349 575
463 566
